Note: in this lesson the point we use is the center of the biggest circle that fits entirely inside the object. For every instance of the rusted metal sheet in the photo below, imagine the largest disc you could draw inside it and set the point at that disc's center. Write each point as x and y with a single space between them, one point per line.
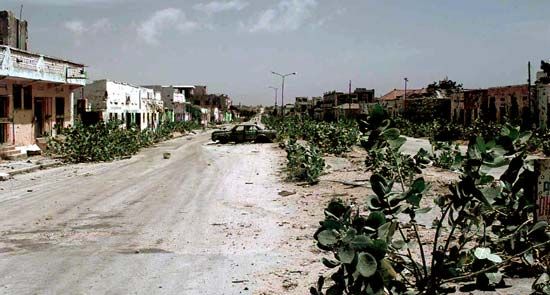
542 168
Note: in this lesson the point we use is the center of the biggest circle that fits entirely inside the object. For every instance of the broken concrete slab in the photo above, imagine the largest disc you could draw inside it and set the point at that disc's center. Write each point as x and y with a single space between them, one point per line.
5 176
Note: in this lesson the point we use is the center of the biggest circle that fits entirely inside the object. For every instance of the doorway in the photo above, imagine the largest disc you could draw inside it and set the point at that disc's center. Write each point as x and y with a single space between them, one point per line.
59 114
4 109
39 117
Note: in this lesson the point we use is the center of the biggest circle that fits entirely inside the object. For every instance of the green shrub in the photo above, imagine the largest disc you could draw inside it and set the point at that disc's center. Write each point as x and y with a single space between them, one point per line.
484 229
107 141
331 137
446 155
305 163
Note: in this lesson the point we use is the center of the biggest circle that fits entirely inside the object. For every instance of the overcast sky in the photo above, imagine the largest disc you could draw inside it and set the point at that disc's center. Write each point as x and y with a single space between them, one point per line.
233 45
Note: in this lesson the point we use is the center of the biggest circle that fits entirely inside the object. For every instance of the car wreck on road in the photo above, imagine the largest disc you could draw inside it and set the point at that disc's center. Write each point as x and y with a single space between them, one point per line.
244 133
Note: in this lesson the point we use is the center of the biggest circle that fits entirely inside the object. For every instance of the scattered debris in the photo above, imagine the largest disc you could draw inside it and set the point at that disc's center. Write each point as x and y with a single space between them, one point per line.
218 224
286 193
239 281
5 176
289 284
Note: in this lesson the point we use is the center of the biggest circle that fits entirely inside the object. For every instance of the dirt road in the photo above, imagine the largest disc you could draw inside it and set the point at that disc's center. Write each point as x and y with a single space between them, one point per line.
204 221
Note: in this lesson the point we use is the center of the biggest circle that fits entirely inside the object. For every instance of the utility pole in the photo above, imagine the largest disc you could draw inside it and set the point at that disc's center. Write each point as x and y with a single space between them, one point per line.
276 90
405 96
283 89
349 98
529 94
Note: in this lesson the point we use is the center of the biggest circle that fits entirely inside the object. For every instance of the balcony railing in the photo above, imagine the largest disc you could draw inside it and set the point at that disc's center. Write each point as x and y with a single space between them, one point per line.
25 65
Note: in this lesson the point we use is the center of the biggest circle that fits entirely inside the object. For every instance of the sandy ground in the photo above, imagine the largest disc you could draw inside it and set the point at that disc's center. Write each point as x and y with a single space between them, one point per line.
202 222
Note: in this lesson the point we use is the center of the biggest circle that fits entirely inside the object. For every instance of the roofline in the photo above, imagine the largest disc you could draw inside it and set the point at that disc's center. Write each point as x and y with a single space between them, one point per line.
122 83
43 55
173 86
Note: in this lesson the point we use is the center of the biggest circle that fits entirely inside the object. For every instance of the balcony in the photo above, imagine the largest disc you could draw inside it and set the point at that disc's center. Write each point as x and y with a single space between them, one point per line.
20 64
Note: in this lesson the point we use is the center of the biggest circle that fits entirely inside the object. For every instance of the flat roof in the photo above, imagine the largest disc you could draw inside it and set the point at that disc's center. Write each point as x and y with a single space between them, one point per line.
45 56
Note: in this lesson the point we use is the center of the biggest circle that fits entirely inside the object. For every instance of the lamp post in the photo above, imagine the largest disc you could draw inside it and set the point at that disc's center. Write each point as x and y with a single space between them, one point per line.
276 90
405 96
283 89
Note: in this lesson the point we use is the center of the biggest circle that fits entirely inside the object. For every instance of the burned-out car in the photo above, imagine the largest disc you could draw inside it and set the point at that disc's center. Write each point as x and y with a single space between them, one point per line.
244 133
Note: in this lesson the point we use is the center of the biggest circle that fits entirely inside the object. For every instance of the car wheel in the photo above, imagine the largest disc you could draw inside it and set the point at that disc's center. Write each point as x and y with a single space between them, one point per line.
223 141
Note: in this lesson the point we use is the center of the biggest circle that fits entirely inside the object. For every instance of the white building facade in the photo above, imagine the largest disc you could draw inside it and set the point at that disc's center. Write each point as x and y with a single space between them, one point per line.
176 101
106 100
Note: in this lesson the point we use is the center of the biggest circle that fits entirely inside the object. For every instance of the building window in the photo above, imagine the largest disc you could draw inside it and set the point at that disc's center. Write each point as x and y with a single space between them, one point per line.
16 92
27 98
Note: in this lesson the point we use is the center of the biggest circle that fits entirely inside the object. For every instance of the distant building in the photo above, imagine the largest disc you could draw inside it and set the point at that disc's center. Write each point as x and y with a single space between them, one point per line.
503 104
394 101
542 98
105 100
217 106
466 105
507 103
176 100
337 105
302 106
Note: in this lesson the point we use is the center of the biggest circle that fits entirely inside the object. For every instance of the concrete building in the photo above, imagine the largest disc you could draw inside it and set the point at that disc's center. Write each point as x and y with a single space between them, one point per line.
394 101
176 99
151 108
542 97
503 104
507 104
336 105
106 100
302 106
466 105
13 32
218 106
36 92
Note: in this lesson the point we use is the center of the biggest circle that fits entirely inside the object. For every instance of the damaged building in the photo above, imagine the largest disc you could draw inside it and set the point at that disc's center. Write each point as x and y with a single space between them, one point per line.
176 99
417 104
542 97
495 104
36 91
106 100
338 105
215 107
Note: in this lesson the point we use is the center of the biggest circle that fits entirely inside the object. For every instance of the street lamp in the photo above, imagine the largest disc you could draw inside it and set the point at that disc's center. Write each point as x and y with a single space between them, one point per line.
283 89
405 96
276 90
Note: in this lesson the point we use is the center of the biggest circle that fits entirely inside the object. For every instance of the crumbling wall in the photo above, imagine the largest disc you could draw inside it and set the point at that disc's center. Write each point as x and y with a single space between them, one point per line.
13 32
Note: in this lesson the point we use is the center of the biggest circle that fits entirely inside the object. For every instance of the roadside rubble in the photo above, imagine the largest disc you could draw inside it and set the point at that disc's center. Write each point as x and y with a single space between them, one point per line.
8 169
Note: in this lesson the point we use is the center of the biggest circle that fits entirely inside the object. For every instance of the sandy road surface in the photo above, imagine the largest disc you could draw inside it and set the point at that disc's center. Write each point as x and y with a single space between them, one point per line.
203 222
